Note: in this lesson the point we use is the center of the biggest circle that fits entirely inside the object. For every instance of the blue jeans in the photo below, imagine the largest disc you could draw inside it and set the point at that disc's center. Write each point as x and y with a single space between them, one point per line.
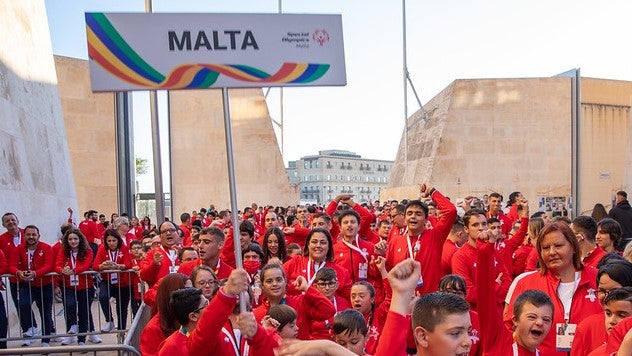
78 303
23 317
43 298
121 294
3 323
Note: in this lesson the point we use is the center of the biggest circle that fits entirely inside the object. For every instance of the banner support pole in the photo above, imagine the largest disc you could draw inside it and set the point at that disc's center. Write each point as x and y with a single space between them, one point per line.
233 191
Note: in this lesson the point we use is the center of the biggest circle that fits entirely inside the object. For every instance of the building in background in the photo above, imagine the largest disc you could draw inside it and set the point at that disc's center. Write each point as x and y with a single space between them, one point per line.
322 177
515 134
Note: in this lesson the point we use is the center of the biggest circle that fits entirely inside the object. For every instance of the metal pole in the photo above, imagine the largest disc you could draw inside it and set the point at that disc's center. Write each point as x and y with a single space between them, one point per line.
575 141
405 77
281 103
125 153
232 186
155 136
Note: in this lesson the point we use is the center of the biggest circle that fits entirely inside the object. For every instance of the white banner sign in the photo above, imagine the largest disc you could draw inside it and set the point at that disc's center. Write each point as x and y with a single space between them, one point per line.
196 51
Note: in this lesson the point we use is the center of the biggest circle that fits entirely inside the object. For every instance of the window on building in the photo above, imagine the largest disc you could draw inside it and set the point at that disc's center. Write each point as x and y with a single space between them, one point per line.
329 177
295 174
317 164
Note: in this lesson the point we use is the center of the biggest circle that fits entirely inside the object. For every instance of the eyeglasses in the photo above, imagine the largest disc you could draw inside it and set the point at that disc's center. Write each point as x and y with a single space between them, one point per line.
168 231
209 283
202 307
330 284
604 292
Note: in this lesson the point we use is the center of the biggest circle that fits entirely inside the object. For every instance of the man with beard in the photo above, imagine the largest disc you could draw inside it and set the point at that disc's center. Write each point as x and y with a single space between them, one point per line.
29 263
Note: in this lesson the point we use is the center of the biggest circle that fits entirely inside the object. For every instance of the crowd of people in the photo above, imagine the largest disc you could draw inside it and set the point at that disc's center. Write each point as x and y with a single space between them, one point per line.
421 276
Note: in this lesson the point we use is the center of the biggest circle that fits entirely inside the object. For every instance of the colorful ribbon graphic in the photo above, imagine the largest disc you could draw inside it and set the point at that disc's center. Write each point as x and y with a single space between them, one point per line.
107 48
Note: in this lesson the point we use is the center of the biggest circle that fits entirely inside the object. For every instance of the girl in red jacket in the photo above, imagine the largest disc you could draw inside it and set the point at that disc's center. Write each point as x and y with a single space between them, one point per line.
75 257
111 256
310 306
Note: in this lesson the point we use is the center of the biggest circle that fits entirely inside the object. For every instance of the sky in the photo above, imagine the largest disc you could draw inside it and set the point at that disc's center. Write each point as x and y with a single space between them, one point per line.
446 40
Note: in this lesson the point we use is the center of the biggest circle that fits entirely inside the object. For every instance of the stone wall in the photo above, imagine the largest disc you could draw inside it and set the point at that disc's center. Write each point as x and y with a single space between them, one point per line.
509 135
198 151
36 181
90 132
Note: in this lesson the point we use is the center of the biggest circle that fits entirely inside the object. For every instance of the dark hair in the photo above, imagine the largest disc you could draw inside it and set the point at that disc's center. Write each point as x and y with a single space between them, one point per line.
612 228
184 217
293 246
282 252
624 293
537 214
494 220
350 321
282 313
586 226
599 212
568 235
183 250
168 284
619 271
253 247
82 249
214 231
622 194
330 249
496 195
248 227
270 266
325 274
610 257
347 213
452 283
536 297
419 204
31 227
512 198
323 216
469 214
431 309
115 234
185 301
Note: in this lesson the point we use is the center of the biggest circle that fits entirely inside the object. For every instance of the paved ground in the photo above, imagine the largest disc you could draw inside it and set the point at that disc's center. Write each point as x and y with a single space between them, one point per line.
14 327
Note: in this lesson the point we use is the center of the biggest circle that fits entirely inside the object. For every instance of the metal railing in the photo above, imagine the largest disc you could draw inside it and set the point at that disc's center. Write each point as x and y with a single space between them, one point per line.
56 298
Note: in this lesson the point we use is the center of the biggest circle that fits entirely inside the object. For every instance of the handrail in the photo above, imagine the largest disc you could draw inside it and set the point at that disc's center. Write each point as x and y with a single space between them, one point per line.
126 349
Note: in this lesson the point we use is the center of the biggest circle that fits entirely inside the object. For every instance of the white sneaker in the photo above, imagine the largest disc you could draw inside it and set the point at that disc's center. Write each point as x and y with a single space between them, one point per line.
81 343
69 340
57 339
107 327
95 339
73 329
32 331
27 342
45 344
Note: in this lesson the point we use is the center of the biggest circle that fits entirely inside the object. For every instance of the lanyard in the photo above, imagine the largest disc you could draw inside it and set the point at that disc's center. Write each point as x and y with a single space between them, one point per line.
310 278
73 260
172 257
114 255
356 248
515 350
29 258
410 248
184 331
237 345
217 268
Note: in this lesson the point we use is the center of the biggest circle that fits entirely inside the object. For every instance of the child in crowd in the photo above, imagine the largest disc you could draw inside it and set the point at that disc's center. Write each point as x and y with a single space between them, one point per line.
286 317
350 331
294 249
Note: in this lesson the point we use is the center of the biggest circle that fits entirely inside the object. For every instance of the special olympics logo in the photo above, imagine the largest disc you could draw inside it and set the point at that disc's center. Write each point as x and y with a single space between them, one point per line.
320 36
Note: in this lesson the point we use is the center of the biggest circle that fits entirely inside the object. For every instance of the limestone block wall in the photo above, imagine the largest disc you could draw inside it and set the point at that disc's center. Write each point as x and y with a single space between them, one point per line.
605 142
90 131
36 181
490 135
198 151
